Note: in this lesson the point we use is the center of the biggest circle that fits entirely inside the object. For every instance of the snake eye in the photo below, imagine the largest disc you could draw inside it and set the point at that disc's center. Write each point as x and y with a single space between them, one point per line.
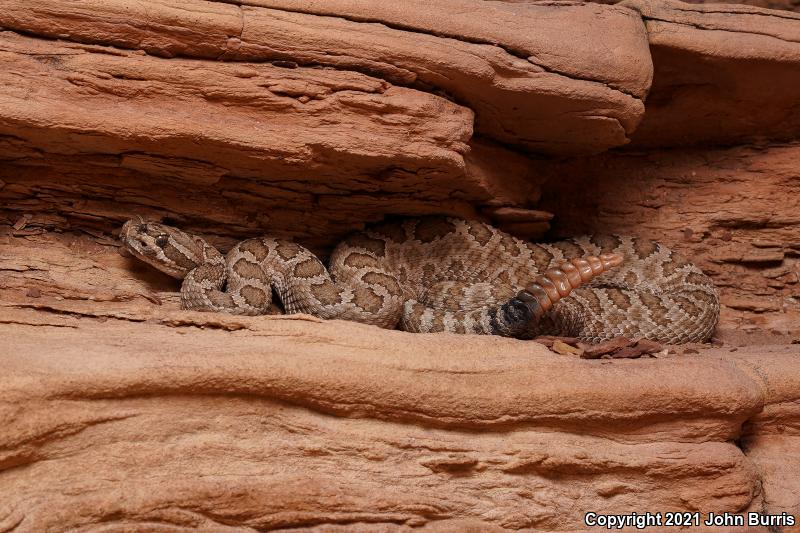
162 239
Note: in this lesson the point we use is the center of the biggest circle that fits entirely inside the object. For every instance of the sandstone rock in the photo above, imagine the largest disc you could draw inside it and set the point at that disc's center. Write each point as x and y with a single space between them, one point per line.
309 119
723 74
718 207
789 5
290 423
771 438
240 137
532 73
117 410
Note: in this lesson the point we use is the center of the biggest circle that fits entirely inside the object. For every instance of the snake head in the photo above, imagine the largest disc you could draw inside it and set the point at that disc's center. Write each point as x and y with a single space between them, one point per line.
168 249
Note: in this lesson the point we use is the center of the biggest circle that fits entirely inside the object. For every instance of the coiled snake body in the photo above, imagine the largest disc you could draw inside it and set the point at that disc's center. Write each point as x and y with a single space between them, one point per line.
445 274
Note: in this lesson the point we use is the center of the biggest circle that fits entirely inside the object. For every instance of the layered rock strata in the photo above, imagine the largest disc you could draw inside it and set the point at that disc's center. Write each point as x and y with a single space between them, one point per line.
545 90
308 120
723 74
160 419
734 211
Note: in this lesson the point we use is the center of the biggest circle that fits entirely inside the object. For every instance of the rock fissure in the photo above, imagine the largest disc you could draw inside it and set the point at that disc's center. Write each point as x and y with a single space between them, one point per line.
700 26
773 13
519 54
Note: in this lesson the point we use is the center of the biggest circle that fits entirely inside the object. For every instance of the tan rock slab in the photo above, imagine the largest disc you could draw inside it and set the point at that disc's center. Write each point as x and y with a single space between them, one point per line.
771 438
246 120
534 74
305 152
724 73
290 423
118 408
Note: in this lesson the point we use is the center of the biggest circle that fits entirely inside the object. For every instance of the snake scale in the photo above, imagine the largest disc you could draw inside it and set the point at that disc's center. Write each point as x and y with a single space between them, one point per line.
439 273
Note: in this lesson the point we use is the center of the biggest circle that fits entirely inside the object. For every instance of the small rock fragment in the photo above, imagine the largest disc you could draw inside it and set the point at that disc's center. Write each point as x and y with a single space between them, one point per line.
639 348
622 348
565 349
629 352
33 293
604 348
22 221
548 340
649 346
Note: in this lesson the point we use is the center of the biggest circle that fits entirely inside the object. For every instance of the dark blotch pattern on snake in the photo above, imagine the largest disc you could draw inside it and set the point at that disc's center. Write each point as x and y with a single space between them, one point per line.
445 274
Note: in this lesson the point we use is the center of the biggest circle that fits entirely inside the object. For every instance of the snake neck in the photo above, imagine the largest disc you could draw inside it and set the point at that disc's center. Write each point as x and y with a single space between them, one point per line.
208 255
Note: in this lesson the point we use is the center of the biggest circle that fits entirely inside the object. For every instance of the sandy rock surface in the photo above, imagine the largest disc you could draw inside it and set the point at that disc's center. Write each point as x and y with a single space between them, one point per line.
118 409
170 418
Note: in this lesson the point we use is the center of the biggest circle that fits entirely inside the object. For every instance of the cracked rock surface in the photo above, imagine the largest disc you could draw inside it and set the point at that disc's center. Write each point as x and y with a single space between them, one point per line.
543 90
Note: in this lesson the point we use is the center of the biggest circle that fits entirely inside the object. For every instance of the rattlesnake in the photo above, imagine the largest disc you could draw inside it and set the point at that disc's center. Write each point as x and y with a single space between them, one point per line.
445 274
